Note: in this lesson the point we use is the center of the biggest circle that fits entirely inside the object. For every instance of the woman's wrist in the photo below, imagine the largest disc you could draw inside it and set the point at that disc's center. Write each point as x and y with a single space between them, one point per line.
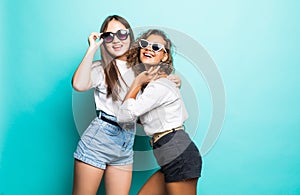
92 49
89 55
137 83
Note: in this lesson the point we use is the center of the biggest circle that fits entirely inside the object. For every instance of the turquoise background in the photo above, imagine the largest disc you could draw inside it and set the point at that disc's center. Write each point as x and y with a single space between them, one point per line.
255 45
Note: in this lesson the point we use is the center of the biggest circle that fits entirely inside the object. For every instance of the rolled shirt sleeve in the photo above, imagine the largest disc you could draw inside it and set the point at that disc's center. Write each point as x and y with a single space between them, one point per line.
97 74
125 114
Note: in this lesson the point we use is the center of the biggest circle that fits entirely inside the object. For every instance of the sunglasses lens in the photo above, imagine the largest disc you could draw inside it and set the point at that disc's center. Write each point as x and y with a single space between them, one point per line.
107 37
143 43
122 34
156 47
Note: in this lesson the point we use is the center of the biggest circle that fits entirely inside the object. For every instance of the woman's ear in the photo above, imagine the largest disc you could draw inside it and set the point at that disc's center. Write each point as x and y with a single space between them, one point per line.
166 56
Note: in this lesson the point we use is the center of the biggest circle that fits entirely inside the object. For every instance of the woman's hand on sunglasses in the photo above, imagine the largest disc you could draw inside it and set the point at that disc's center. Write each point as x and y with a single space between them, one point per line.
94 41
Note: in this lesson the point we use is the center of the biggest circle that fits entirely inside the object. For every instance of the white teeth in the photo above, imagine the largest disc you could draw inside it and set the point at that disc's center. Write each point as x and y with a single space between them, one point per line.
148 55
117 46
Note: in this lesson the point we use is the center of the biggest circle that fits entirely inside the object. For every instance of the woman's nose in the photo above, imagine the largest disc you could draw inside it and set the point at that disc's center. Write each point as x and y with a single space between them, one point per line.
149 47
115 40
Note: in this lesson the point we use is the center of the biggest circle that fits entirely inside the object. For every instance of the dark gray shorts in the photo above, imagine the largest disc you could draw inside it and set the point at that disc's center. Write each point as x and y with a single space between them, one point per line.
178 157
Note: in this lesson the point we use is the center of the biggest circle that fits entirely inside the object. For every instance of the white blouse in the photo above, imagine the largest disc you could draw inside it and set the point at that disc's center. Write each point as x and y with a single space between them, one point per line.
98 82
160 107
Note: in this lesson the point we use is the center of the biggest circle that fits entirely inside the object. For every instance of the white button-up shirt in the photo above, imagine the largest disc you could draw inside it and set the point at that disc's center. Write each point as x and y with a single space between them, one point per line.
160 107
102 102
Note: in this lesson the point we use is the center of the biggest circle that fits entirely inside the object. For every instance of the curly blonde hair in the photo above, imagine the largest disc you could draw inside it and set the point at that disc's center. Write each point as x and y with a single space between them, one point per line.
134 61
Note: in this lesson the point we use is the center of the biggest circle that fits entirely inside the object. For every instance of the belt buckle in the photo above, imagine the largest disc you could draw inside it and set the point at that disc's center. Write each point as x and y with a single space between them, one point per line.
151 141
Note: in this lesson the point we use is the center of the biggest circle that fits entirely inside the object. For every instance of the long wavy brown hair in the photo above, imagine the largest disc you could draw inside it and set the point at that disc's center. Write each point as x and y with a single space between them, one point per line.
112 74
133 57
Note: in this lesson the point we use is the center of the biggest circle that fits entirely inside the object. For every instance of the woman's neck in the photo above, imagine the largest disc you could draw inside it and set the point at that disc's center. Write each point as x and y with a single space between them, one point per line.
122 58
147 66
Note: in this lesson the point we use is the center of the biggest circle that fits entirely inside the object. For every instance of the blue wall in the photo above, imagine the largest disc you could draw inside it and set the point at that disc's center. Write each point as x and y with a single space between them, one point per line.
255 46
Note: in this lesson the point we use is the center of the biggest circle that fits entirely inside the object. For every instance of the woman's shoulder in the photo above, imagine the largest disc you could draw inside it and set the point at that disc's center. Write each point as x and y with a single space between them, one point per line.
165 82
97 64
162 84
163 88
97 71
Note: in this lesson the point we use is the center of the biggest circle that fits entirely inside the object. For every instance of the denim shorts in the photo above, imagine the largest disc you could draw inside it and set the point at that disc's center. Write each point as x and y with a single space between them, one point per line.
103 144
178 157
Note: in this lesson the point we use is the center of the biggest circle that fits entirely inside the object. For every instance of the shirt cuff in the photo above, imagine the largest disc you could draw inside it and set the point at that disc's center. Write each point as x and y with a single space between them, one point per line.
125 113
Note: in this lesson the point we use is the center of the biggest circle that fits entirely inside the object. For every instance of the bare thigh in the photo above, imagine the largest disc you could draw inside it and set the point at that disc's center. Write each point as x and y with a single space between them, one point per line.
155 185
188 187
118 179
86 178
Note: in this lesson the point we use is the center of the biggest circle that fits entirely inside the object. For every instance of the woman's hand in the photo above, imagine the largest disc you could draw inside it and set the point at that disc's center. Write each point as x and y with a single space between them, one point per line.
93 40
142 78
147 76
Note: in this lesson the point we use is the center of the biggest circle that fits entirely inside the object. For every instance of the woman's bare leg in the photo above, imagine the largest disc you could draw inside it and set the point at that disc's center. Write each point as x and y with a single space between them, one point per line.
155 185
86 178
188 187
118 179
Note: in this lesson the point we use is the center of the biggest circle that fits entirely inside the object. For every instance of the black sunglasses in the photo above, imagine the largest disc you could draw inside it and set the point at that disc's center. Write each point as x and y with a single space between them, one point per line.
122 35
154 46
